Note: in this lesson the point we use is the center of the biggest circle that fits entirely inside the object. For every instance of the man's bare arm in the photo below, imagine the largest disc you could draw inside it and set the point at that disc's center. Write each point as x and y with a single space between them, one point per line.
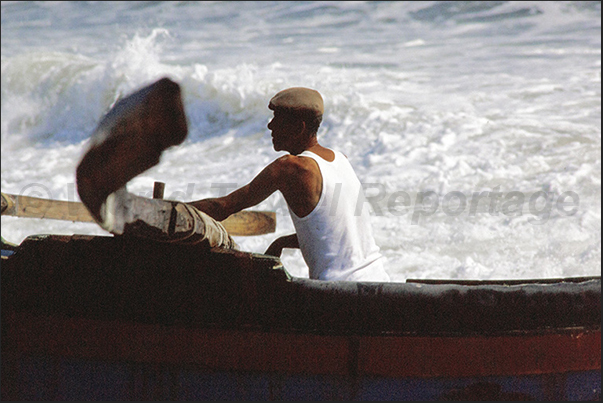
268 181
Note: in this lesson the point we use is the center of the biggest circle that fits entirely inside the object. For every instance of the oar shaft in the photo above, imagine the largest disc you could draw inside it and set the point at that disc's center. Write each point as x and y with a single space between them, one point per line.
244 223
34 207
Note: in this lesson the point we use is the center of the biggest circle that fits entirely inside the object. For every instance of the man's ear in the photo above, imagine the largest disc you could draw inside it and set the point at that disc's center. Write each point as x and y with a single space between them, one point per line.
302 126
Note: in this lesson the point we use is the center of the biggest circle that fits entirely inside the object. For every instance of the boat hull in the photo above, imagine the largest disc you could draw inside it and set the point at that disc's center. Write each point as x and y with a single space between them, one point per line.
76 359
103 318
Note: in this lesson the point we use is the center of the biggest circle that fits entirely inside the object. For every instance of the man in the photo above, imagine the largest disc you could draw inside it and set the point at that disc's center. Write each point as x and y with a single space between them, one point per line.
324 196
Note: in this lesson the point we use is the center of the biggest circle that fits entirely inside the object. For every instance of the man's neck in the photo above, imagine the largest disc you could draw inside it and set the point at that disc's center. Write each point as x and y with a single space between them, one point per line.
322 152
310 145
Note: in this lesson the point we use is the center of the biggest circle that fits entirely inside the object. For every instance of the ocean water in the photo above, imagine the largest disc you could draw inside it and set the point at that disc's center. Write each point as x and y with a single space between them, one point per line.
474 126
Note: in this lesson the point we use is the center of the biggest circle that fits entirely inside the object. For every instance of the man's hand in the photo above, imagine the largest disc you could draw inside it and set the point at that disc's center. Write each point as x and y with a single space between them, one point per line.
276 248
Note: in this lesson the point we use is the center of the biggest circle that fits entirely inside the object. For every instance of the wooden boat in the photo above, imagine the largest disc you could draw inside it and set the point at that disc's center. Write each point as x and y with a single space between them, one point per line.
167 310
118 318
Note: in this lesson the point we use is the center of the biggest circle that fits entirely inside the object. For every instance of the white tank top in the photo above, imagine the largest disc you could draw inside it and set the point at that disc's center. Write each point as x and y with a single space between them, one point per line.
336 238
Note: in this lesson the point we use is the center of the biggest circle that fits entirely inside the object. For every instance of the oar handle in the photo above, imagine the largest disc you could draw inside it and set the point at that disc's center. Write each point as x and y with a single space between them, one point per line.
158 189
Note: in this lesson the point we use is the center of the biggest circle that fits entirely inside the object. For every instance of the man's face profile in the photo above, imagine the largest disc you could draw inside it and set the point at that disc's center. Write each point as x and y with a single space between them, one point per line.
283 127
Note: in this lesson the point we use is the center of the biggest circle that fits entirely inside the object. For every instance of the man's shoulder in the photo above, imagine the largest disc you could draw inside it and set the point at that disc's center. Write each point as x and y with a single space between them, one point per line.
291 170
292 163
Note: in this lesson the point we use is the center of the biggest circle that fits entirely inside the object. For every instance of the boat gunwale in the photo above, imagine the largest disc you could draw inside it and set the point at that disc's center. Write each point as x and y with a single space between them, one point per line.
260 294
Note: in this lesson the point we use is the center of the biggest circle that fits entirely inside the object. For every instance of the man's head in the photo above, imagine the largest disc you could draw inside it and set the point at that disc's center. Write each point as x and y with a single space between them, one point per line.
298 99
297 117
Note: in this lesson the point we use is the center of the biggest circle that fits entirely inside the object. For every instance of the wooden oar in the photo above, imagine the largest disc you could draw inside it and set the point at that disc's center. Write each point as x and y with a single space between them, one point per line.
244 223
130 139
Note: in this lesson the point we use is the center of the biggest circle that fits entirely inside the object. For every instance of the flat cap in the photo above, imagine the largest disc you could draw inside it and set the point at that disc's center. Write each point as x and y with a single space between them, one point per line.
299 99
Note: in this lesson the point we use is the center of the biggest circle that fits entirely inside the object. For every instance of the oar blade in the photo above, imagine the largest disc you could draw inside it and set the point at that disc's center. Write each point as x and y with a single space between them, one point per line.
247 222
129 140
